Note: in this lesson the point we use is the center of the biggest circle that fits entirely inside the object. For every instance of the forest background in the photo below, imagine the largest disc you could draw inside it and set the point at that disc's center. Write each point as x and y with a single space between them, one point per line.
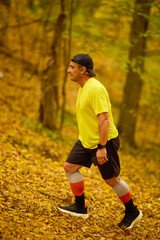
37 113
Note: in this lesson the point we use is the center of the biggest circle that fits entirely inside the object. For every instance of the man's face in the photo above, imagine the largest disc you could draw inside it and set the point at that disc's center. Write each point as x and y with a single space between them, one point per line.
74 70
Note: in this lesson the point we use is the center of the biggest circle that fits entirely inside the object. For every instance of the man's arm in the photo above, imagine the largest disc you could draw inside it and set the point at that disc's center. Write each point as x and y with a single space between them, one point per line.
103 126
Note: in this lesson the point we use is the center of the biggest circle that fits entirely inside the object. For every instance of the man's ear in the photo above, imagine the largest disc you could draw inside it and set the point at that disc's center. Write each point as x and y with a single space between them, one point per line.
83 69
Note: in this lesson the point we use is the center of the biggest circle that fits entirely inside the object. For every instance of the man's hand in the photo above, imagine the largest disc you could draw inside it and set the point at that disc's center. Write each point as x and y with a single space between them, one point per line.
101 156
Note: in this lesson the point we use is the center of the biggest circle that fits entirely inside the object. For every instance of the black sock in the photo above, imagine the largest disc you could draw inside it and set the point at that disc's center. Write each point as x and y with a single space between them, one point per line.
79 201
129 206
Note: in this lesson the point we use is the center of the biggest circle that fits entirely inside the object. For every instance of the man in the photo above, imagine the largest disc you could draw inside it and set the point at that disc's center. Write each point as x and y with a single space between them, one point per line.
98 142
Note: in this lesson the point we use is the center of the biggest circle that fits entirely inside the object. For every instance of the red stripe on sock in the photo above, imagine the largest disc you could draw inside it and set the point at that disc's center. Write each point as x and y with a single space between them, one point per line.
77 188
126 197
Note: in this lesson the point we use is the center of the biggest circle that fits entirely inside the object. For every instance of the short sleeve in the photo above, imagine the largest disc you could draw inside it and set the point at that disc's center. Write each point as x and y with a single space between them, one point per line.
99 99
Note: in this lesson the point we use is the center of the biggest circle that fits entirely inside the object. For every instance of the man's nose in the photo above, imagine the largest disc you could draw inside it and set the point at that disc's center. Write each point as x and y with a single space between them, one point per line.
69 70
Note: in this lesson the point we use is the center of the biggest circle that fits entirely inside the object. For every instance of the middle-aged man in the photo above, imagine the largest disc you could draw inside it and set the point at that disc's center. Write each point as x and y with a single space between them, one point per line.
98 142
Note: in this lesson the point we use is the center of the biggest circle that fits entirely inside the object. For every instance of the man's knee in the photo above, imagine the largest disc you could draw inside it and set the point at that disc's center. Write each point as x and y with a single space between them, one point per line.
70 168
67 167
112 181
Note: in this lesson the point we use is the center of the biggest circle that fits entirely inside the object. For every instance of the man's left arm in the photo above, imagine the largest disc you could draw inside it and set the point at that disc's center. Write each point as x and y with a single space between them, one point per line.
103 127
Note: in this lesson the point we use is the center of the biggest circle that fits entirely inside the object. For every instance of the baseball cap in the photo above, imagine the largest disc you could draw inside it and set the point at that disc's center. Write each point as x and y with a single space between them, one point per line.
84 60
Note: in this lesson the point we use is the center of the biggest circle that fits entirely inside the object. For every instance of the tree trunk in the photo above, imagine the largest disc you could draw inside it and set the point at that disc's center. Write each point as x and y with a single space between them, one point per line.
66 56
49 100
7 3
134 81
31 3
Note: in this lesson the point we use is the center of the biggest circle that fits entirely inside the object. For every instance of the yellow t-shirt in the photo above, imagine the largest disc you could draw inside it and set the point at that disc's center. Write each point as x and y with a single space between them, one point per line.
92 100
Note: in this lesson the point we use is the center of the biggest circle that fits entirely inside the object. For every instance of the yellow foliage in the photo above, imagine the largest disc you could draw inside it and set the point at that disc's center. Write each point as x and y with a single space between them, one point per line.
32 179
33 182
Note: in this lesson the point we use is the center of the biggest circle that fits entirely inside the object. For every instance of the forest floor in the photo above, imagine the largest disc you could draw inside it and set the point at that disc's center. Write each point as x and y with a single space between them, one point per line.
33 182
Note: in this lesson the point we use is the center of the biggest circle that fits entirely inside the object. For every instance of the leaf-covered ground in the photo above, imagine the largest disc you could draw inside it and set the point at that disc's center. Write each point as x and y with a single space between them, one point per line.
33 183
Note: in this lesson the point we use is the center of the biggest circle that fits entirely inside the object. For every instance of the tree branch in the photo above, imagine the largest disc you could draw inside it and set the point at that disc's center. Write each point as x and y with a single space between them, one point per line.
27 65
157 3
21 25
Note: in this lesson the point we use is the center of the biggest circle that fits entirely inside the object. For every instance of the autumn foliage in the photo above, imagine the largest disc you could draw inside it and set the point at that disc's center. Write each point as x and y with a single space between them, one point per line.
32 179
33 182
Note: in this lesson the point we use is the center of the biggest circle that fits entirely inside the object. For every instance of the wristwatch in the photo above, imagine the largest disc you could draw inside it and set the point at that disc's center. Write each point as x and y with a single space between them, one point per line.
100 146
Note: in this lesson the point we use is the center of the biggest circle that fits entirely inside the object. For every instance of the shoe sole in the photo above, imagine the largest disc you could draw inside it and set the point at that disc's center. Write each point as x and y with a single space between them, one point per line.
85 216
138 219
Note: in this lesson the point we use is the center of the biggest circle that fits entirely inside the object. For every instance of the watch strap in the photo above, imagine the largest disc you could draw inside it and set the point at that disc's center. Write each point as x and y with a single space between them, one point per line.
100 146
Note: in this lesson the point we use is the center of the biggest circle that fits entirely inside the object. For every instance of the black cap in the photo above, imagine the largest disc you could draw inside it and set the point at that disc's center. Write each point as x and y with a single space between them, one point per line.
84 60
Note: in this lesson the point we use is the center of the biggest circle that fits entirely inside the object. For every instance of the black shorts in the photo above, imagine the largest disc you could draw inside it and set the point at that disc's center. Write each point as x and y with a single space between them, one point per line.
83 156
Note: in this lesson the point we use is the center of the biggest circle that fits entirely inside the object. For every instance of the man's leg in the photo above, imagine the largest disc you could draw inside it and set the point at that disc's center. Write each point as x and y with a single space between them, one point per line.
77 185
132 214
76 182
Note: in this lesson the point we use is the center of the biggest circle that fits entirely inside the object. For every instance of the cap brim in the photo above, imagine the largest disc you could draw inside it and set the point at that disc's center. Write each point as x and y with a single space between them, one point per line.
90 71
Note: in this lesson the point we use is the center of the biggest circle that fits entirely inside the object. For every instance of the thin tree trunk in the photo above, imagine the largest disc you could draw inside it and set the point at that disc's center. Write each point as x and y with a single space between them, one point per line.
5 24
134 81
7 3
49 100
67 56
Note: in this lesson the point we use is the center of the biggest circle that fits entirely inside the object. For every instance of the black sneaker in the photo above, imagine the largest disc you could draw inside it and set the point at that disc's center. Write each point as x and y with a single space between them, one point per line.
74 211
130 219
